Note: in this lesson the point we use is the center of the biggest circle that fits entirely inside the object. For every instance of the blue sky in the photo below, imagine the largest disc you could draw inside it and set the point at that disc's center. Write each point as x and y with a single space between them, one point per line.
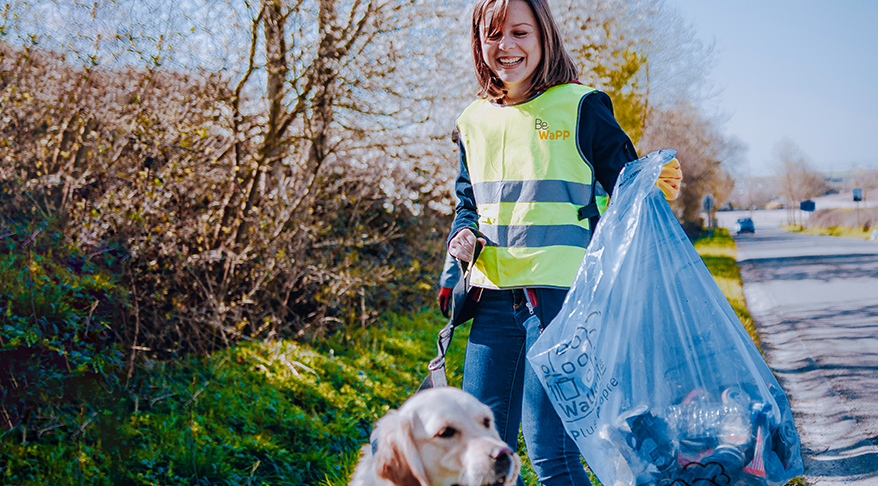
806 70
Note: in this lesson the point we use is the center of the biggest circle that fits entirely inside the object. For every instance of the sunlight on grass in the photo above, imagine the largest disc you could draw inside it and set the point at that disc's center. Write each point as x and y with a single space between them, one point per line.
721 244
841 231
273 412
719 254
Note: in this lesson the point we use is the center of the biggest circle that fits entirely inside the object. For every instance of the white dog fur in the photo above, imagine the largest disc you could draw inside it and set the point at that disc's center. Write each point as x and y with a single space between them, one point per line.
439 437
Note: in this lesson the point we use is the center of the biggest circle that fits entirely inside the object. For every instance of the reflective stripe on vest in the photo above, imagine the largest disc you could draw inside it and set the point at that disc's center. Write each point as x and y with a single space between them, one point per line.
536 191
529 179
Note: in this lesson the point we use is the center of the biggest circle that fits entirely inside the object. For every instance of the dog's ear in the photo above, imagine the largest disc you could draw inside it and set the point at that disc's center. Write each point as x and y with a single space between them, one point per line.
396 458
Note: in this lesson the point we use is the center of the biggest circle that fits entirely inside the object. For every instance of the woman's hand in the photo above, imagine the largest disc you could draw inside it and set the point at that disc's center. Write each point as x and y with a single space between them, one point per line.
670 179
463 245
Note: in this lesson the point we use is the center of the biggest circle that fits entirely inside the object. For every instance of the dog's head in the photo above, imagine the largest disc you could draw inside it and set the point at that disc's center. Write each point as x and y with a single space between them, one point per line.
442 437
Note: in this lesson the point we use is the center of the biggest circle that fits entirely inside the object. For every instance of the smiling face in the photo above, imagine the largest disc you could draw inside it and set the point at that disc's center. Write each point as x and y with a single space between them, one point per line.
512 51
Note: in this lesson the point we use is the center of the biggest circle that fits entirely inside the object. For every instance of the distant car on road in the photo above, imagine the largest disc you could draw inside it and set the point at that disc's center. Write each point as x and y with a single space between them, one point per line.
744 225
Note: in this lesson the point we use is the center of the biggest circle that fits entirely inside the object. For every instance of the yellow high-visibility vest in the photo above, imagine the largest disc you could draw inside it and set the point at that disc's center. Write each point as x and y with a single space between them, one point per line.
529 179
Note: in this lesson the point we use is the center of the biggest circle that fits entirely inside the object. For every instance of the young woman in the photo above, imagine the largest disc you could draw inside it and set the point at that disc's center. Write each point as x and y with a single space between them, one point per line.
530 152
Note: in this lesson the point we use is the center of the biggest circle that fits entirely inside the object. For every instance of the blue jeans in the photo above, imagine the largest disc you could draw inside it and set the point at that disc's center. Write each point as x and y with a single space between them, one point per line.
496 372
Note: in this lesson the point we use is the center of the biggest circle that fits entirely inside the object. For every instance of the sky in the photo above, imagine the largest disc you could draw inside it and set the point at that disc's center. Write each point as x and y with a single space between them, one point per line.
806 70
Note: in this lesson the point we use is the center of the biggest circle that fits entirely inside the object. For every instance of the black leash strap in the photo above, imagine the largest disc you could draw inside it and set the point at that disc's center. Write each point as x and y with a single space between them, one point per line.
461 312
589 211
436 374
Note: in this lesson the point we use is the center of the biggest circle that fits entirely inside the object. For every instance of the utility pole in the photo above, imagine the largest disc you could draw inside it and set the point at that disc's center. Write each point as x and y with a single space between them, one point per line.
858 196
707 204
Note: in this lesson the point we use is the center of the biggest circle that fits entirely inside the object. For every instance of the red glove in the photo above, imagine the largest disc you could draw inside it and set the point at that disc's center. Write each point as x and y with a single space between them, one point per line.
445 301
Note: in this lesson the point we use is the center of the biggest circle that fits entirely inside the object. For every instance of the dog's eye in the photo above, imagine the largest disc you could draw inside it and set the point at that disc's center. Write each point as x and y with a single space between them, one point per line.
487 422
447 432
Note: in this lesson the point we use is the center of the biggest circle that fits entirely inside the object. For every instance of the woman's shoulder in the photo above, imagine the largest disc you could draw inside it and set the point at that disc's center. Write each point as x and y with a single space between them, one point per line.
581 95
589 97
475 104
597 99
572 88
473 109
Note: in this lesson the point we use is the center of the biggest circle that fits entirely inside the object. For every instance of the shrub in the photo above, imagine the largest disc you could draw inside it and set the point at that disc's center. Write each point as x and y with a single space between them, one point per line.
61 315
154 160
267 413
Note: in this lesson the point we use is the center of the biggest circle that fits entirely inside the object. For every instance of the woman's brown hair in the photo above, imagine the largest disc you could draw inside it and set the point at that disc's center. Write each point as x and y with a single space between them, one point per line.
555 67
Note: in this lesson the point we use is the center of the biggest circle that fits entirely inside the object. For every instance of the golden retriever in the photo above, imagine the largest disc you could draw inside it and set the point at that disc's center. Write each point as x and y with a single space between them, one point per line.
439 437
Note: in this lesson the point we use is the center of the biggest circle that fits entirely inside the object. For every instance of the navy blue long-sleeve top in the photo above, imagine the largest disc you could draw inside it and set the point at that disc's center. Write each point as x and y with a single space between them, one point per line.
601 139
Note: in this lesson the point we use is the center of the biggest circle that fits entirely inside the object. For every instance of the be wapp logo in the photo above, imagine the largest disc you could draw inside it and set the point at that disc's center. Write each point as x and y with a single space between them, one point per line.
542 128
576 379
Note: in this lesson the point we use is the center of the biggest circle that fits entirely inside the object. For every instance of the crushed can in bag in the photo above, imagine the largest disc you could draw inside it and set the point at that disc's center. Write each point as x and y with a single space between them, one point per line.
648 366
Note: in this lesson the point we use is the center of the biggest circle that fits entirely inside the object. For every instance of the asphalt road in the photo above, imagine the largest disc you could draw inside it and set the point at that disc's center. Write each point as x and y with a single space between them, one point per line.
815 303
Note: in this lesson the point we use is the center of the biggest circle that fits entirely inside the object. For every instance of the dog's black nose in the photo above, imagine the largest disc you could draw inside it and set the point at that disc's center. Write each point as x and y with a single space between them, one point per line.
502 459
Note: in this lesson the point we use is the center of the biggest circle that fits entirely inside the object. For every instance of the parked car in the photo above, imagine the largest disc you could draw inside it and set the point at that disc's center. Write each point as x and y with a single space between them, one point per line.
744 225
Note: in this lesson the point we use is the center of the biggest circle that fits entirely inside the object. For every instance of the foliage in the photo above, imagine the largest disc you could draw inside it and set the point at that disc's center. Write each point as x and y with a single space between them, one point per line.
654 67
62 317
158 161
840 231
297 188
629 103
274 412
600 40
288 187
619 81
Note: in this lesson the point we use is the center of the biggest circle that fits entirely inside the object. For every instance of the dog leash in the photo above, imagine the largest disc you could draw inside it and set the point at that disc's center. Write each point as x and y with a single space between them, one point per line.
461 312
462 304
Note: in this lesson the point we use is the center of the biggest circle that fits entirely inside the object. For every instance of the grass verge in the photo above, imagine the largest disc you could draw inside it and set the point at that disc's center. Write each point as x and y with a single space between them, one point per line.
720 255
841 231
258 413
266 413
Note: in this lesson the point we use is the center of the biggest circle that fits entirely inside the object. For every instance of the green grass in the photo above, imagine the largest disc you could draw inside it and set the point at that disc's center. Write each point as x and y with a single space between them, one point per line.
841 231
266 413
258 413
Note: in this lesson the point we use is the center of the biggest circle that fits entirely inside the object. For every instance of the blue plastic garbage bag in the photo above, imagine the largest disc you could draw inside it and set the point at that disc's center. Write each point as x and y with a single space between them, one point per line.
649 367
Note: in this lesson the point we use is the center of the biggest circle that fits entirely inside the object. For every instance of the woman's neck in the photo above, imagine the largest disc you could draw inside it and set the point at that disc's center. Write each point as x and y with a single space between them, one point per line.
514 94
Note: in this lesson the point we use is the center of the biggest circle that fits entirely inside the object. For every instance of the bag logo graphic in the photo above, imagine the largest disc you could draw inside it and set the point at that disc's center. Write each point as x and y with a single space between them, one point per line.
575 377
542 127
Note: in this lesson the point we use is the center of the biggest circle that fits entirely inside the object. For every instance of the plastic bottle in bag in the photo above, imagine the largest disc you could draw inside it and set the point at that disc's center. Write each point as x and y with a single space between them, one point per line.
716 439
711 423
